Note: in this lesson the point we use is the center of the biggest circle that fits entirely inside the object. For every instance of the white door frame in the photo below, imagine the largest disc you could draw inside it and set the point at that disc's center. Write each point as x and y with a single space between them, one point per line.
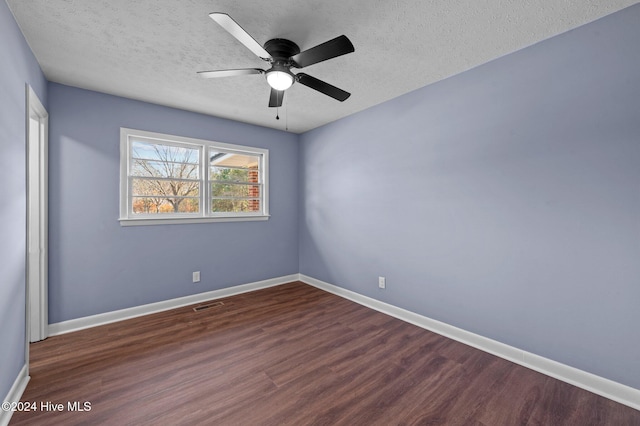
37 220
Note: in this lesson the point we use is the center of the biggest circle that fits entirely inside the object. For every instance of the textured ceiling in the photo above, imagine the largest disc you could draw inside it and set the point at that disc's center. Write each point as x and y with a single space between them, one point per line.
150 50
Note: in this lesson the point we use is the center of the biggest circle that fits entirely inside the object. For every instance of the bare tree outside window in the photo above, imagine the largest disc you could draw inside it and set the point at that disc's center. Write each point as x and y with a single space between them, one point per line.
165 178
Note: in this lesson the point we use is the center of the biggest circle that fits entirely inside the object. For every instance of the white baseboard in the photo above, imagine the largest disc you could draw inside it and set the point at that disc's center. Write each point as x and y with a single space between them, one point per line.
604 387
151 308
15 393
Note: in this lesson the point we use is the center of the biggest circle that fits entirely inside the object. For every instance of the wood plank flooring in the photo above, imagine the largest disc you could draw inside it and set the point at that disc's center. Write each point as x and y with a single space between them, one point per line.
292 355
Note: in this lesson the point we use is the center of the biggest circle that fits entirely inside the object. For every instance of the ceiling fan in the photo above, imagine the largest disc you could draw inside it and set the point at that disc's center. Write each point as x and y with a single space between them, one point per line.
283 54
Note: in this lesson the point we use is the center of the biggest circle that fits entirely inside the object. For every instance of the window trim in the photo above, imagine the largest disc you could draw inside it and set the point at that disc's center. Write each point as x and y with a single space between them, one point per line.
204 216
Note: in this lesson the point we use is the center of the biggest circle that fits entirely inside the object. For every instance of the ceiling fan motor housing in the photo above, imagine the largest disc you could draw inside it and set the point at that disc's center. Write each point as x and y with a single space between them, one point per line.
281 49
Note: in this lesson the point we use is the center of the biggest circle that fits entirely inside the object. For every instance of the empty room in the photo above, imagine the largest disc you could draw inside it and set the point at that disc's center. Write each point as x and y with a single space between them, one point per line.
320 213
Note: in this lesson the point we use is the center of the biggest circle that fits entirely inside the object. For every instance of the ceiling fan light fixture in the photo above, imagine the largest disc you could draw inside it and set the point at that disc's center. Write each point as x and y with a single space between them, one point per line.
283 54
279 80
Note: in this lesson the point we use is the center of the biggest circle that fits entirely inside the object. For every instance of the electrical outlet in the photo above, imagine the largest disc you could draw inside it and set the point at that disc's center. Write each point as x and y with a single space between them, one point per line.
196 277
382 282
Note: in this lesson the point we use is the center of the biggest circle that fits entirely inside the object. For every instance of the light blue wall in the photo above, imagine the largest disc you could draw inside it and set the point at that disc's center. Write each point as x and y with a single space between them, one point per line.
96 265
17 67
504 200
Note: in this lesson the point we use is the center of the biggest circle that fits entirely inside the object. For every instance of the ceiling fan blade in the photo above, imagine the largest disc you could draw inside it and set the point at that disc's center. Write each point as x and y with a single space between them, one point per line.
333 48
232 27
229 73
322 87
275 98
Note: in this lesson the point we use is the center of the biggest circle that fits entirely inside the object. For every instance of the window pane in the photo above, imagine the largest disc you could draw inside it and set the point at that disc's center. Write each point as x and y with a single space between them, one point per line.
233 175
234 190
156 205
164 169
230 205
165 188
160 152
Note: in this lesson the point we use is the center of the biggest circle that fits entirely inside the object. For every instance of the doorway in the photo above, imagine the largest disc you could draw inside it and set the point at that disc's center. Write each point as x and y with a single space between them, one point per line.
37 219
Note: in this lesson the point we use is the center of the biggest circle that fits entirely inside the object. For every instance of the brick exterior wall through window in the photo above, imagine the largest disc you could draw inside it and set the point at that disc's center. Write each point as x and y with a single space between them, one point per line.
254 191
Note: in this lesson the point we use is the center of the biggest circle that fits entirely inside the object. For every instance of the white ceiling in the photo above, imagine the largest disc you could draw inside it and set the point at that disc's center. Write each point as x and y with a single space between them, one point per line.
150 50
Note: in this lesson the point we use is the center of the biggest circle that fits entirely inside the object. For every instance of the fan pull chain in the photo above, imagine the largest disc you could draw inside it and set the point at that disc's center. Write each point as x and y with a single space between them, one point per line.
277 112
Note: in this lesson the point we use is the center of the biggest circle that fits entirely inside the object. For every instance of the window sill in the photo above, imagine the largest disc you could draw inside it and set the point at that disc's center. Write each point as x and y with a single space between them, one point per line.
184 221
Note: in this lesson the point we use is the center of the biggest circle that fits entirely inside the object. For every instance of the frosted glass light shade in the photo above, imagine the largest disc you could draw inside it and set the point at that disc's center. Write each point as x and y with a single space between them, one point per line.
279 80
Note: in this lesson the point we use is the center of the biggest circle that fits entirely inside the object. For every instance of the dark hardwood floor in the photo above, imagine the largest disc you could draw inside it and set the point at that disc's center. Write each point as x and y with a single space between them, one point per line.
292 355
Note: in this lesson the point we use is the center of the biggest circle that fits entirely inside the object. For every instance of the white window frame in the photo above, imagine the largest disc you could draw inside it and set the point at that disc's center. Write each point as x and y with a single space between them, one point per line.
127 218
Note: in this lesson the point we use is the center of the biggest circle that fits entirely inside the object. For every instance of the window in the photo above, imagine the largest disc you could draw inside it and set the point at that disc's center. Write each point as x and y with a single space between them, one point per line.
171 179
